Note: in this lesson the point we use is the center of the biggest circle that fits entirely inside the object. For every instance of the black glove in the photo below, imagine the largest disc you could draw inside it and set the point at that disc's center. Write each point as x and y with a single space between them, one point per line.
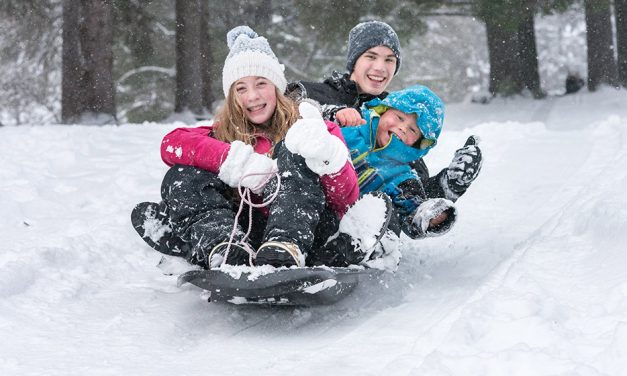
464 168
418 225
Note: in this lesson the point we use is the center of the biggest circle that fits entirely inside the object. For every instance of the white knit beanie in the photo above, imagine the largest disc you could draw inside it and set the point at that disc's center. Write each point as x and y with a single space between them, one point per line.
250 55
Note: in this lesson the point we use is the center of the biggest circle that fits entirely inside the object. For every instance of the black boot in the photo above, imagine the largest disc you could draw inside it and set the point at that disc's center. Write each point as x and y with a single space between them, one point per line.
356 241
237 253
279 254
152 223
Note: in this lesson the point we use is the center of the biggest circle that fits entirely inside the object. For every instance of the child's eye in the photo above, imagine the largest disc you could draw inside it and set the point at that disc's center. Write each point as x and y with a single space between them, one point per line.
262 83
390 60
240 89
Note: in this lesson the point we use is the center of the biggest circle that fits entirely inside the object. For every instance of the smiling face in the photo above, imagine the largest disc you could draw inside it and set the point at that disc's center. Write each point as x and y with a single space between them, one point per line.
395 122
257 96
374 70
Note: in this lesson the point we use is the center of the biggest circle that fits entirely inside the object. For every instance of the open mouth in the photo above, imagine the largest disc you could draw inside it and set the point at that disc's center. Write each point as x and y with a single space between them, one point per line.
256 108
375 78
398 135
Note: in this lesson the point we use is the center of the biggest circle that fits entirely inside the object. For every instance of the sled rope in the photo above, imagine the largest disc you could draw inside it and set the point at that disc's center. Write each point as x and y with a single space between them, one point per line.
246 198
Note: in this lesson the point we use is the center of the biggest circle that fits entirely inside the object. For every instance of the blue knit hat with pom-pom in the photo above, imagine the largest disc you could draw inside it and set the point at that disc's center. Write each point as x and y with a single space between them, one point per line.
250 55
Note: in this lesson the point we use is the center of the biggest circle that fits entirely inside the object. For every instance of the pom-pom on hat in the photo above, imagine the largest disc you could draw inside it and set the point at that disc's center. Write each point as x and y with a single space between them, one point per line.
250 55
367 35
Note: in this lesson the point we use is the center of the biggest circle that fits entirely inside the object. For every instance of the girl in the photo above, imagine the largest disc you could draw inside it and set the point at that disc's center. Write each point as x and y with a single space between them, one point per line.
295 195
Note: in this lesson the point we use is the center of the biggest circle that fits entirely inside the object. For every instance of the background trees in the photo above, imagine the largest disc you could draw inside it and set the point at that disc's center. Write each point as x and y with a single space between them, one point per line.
601 61
88 93
620 11
97 60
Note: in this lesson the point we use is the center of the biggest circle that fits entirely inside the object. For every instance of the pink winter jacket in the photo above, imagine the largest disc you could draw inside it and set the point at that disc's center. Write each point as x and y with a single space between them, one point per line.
195 147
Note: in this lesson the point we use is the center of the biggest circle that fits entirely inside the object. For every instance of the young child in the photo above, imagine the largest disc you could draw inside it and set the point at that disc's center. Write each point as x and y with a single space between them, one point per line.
399 129
242 160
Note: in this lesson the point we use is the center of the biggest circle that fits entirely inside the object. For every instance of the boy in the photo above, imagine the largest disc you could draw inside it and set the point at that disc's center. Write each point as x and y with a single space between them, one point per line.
398 130
373 59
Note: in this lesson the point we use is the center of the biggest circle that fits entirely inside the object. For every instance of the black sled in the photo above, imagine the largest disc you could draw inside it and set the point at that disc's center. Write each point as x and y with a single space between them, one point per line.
291 287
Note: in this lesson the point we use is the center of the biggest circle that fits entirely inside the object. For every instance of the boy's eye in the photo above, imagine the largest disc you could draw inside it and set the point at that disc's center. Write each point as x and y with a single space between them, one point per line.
390 60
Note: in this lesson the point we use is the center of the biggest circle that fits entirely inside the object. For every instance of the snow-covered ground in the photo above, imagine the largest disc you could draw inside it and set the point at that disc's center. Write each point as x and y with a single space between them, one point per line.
531 281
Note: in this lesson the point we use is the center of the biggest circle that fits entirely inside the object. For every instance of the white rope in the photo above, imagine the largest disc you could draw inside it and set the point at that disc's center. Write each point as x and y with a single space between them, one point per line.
246 198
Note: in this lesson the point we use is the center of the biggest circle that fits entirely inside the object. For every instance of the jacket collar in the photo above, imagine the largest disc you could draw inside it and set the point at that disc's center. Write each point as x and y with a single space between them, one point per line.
342 82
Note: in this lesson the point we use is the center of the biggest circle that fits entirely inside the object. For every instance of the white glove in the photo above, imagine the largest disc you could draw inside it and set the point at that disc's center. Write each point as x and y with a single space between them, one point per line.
431 209
243 167
323 152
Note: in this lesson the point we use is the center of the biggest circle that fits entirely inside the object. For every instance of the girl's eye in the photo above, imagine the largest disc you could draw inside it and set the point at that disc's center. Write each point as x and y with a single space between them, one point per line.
261 83
240 90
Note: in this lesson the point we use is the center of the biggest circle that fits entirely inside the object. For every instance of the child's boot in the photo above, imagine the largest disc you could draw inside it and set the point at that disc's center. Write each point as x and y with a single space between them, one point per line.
238 253
366 222
277 254
152 223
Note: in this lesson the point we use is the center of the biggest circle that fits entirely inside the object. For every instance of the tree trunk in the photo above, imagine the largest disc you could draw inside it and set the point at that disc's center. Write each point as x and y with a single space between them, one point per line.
527 50
511 45
601 64
72 71
97 44
206 58
261 15
620 9
189 94
502 51
88 91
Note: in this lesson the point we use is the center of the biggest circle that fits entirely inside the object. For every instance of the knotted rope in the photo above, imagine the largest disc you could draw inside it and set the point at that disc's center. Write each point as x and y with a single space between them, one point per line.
245 194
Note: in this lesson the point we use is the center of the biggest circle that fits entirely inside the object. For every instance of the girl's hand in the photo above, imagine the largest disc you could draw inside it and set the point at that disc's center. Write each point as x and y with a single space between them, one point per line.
349 117
243 167
309 137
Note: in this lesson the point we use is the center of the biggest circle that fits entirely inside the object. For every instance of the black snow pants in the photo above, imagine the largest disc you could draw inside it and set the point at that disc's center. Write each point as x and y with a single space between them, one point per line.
202 208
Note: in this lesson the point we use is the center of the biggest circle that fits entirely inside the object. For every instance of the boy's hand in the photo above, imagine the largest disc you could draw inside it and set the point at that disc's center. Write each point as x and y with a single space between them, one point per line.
434 217
465 166
349 117
438 219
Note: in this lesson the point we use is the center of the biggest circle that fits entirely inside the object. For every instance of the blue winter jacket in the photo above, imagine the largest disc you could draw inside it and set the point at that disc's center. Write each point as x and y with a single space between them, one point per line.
383 168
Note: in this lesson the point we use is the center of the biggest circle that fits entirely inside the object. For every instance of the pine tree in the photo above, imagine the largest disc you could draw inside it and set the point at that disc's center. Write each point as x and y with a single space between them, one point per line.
88 92
620 9
601 64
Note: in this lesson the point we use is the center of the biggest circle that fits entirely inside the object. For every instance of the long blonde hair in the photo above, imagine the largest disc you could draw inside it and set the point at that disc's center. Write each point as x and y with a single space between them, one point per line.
233 125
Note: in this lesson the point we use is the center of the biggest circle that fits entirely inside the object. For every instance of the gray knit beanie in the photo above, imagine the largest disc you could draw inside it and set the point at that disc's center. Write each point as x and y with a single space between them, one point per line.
367 35
250 55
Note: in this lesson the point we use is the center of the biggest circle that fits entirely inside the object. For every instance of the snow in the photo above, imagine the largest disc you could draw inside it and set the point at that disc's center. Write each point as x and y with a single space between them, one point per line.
364 220
531 280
